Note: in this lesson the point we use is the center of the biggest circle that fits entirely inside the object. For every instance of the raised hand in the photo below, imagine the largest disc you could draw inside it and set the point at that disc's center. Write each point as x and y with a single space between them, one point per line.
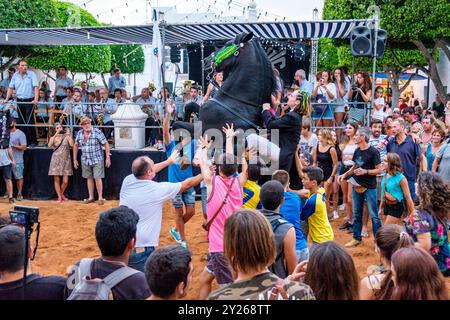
169 107
174 156
204 143
229 131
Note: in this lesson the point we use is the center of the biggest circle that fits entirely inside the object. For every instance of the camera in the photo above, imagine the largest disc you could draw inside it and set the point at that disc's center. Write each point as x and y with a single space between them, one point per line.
25 216
354 86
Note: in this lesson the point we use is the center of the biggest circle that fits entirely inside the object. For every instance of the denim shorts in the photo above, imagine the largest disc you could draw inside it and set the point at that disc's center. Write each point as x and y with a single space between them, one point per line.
302 255
18 171
326 114
218 266
186 198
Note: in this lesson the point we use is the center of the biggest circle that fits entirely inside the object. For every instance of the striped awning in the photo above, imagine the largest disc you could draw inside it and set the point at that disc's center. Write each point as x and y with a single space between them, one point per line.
176 33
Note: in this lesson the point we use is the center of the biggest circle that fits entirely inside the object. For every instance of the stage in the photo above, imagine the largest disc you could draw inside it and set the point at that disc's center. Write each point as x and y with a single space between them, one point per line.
38 185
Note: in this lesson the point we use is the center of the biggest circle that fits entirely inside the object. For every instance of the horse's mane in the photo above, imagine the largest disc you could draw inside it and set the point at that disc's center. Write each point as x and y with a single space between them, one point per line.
270 79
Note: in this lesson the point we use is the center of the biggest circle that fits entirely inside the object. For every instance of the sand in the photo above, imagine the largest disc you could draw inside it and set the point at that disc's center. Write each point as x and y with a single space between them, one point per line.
68 234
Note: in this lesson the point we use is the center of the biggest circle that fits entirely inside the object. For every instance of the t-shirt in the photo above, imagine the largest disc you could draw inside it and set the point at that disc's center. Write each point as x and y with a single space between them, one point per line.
4 158
66 82
18 138
374 142
444 165
251 195
424 222
147 198
37 288
259 288
409 153
291 212
367 159
307 145
134 287
176 173
315 211
439 109
392 186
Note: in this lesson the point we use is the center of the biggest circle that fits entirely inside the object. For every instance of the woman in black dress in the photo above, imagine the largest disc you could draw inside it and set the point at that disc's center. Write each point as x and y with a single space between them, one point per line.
325 157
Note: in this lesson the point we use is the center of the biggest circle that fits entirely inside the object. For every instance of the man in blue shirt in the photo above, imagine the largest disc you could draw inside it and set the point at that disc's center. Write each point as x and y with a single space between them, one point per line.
117 81
62 83
26 85
147 103
109 107
410 153
303 84
179 172
290 209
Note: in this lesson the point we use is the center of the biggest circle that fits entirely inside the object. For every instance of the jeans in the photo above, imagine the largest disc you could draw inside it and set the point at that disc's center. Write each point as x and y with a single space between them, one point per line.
204 199
370 196
302 255
412 189
137 260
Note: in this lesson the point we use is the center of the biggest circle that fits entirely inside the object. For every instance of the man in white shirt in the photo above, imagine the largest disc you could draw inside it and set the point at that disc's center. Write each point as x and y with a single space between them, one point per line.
145 196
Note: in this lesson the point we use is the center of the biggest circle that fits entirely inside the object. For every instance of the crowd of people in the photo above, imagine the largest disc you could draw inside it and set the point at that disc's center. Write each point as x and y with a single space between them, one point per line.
270 237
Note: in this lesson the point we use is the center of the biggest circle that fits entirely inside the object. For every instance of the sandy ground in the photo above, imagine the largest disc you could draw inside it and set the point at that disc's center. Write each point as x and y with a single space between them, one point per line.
67 235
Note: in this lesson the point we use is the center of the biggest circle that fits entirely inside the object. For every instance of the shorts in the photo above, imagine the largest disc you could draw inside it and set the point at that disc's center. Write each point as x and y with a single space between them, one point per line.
97 170
18 171
7 171
344 169
318 114
302 255
339 108
394 210
187 198
218 266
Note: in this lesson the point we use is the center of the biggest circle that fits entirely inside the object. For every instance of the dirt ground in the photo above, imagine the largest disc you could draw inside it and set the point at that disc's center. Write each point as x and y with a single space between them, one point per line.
67 235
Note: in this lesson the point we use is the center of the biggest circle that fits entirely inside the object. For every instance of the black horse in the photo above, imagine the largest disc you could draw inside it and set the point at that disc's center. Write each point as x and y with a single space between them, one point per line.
249 82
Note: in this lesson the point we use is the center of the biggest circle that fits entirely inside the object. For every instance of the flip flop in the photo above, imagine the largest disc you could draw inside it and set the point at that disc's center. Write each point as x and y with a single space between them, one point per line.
86 201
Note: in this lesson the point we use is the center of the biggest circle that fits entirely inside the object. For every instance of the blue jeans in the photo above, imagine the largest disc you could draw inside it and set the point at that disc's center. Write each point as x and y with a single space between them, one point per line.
137 260
370 196
412 189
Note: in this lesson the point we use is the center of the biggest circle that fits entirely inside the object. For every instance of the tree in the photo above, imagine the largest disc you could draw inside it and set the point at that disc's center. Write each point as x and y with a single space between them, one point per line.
75 58
411 24
128 58
23 14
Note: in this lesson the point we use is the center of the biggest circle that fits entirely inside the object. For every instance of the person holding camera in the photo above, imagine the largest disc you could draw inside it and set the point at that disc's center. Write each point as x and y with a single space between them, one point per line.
12 258
360 96
60 164
324 93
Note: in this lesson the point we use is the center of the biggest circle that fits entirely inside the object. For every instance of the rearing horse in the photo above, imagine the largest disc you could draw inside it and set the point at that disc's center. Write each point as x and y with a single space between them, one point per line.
249 82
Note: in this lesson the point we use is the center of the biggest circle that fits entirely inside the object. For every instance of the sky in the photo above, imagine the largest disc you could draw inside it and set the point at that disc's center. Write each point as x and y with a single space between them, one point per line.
134 11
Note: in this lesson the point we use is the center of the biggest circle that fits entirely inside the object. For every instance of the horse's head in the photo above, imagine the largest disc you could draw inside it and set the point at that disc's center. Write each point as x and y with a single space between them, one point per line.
227 57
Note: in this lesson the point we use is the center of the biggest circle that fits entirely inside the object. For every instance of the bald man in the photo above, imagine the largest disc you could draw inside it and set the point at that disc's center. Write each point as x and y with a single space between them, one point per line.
145 196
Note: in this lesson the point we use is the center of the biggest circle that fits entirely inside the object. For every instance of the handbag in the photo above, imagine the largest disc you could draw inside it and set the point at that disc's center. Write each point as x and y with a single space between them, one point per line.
207 224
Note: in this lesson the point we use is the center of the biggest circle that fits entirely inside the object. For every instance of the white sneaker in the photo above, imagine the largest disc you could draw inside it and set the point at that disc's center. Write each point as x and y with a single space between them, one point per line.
335 215
342 207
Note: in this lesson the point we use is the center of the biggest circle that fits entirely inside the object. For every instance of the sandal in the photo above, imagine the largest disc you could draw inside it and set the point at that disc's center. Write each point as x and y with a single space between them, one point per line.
101 202
86 201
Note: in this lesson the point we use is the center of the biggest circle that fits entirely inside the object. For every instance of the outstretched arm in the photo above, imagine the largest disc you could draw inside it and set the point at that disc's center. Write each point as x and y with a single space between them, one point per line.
171 160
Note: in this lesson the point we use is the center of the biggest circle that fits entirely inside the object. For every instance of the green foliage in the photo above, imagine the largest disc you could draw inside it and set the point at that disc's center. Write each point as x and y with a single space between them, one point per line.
328 55
26 14
75 58
129 58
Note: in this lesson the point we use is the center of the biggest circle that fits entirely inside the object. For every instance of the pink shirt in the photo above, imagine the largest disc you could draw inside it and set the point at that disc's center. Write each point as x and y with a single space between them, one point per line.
219 190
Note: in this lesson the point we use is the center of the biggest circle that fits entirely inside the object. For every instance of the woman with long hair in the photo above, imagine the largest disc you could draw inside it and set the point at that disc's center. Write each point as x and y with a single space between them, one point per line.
429 224
330 272
249 247
430 150
388 240
416 276
323 94
213 87
325 157
360 96
348 149
379 104
394 191
343 90
61 164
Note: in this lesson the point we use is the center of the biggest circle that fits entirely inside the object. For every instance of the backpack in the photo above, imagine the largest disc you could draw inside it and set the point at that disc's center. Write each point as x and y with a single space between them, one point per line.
279 260
97 289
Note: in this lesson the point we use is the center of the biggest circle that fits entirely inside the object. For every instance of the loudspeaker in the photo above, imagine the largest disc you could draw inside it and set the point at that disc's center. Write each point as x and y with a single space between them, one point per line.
175 55
361 42
381 42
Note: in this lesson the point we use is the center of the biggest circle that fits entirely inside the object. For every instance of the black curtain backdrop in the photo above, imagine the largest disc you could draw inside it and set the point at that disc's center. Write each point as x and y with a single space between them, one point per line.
283 60
38 185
